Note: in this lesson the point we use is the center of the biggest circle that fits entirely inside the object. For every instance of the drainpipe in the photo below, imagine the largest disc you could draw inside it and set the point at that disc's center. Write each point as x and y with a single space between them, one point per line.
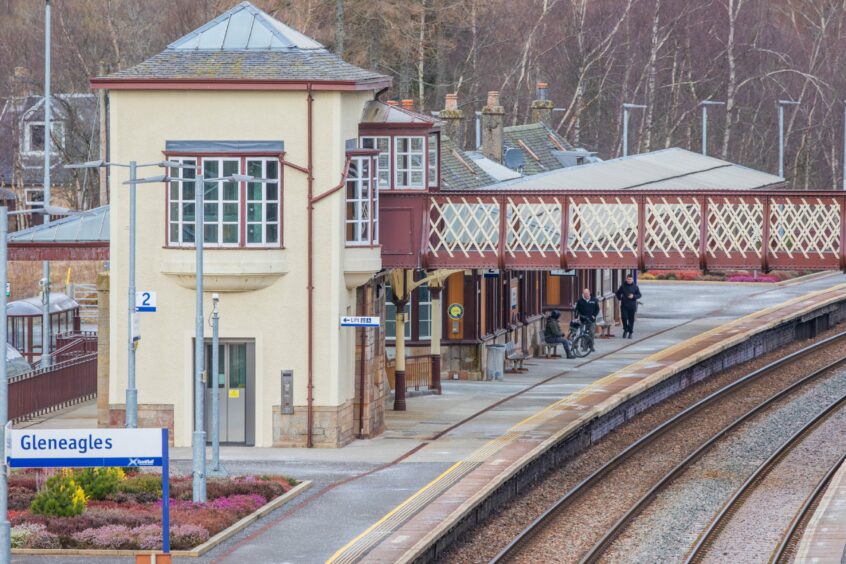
362 366
310 401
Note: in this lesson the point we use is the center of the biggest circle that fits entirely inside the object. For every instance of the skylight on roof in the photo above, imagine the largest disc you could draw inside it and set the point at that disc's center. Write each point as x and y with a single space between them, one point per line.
244 27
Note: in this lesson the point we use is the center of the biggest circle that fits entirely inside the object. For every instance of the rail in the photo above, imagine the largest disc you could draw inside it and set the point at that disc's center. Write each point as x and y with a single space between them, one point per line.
718 524
570 497
614 229
418 372
49 389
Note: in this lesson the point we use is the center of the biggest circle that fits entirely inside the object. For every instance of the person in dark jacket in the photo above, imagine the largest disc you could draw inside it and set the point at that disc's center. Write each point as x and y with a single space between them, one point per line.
628 294
587 308
552 333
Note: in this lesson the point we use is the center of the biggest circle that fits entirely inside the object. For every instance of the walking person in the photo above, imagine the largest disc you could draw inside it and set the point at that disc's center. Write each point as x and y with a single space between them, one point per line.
587 309
628 294
552 333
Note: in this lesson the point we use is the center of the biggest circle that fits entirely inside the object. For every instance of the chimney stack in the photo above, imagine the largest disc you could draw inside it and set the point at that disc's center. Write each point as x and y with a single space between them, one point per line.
393 103
453 119
408 104
542 106
493 116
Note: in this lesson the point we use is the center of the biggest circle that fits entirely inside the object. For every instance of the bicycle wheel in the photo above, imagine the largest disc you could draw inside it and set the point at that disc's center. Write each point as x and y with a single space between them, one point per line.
581 346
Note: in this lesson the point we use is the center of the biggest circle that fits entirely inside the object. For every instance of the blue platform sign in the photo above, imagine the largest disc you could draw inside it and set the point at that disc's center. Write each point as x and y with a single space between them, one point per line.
78 448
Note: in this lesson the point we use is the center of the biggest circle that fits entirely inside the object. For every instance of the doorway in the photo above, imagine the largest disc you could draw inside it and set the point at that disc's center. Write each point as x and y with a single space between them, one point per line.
236 385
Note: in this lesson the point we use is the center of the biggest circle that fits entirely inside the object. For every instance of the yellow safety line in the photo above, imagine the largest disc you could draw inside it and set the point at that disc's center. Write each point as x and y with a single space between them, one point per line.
512 434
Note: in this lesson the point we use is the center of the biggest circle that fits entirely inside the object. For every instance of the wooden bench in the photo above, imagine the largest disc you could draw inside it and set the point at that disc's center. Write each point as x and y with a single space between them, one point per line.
516 357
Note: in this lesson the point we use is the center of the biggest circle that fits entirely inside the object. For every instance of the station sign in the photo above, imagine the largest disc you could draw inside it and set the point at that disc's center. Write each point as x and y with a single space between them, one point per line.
491 273
571 272
359 321
62 448
145 301
81 448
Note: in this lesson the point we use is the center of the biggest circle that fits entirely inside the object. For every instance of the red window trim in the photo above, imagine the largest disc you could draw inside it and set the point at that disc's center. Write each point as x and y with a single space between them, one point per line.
242 244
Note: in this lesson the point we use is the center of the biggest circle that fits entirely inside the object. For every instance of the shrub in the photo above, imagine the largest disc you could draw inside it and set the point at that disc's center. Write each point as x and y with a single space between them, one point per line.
148 537
61 497
212 520
20 498
115 537
187 536
44 539
142 483
21 534
97 483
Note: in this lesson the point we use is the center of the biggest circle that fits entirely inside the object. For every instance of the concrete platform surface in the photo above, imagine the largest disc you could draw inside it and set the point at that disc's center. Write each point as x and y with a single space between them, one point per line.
472 423
824 539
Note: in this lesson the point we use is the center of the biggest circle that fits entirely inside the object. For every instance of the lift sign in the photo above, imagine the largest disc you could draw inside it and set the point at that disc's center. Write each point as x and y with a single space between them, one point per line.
360 321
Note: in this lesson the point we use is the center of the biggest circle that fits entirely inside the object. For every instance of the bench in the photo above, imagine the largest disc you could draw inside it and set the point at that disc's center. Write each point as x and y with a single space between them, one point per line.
516 357
550 350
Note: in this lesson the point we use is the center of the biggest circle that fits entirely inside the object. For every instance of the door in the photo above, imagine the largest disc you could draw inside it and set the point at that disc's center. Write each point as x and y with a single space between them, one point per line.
235 381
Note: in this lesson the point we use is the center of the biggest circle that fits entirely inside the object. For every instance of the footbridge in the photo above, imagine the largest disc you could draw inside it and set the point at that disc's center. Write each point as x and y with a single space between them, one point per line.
614 229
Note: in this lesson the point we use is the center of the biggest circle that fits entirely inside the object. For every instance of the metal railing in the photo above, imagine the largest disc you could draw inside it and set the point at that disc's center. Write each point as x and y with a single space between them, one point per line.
49 389
86 296
418 372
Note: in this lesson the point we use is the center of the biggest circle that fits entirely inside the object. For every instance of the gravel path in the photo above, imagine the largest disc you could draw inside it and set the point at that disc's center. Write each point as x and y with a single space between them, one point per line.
667 529
485 541
757 528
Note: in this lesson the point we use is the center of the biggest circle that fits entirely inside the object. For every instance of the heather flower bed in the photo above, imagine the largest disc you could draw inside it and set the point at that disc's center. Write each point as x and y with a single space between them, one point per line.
727 276
110 509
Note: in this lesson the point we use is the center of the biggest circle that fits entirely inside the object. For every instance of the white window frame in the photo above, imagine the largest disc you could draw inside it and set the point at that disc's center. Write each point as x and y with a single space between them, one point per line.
410 170
391 316
264 203
219 222
58 128
433 142
383 161
179 222
363 205
424 313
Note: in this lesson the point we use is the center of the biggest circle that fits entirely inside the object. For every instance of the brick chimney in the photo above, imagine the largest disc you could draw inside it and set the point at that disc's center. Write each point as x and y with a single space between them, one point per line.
408 104
542 106
493 116
453 120
393 103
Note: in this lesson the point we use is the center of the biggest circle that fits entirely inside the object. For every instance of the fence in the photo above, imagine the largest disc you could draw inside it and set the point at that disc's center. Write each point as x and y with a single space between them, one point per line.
418 372
86 296
49 389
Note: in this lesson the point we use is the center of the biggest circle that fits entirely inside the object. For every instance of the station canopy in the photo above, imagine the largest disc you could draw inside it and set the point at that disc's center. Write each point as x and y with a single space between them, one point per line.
81 236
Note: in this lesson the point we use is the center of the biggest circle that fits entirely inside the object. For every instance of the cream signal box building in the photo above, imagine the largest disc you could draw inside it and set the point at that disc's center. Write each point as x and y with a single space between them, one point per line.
245 94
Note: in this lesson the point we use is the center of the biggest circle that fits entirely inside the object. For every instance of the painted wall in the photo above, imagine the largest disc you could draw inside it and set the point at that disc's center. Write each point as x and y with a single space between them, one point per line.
263 292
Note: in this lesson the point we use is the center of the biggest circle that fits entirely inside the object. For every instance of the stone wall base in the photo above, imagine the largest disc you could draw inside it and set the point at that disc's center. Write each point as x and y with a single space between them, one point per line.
149 415
333 426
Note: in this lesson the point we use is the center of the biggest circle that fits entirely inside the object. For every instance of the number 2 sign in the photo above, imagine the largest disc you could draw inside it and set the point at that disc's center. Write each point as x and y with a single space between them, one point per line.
145 301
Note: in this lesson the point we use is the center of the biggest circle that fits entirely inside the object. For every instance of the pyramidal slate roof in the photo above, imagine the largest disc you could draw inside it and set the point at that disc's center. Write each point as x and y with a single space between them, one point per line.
245 44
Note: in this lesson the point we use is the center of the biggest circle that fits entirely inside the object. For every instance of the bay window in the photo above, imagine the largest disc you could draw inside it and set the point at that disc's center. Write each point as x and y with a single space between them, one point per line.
361 203
383 161
235 214
409 162
433 160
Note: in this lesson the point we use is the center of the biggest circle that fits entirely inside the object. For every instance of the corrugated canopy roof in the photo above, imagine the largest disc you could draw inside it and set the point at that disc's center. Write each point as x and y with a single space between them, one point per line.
87 227
668 169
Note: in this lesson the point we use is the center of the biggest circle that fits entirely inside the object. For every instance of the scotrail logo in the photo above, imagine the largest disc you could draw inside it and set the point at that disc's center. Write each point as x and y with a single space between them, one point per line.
141 462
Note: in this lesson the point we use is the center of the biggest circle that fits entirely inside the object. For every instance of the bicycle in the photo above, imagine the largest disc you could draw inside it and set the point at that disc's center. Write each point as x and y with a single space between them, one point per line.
579 339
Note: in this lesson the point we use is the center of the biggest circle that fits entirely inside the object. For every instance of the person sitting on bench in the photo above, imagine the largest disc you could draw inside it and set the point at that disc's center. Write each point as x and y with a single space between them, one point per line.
553 334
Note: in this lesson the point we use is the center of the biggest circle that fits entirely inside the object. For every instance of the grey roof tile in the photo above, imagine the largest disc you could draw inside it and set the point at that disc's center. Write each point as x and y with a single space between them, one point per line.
458 170
539 139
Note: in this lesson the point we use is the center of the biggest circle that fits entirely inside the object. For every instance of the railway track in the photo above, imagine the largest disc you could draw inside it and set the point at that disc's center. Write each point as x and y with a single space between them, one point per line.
519 546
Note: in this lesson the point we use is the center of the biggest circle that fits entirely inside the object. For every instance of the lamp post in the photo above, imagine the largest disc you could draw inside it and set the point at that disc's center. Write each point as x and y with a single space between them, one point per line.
48 142
198 438
705 104
131 418
216 470
626 108
781 105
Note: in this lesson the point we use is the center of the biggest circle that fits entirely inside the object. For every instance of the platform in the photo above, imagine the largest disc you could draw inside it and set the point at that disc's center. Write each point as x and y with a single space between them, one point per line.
381 500
824 539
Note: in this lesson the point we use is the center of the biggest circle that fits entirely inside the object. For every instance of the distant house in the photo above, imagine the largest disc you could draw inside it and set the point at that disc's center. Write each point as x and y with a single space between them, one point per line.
74 137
